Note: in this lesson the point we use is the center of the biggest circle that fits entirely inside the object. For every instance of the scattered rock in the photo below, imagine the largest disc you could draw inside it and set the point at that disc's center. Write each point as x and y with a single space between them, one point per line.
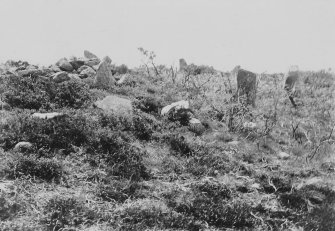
104 76
235 142
64 65
80 69
90 55
23 146
49 115
88 72
30 72
54 68
77 63
196 126
283 155
115 104
183 104
74 76
61 77
122 79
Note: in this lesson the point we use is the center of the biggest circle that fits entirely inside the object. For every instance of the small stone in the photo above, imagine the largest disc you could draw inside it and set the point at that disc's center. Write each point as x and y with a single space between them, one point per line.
235 142
283 155
55 68
23 146
50 115
61 77
183 104
64 65
249 125
122 79
88 72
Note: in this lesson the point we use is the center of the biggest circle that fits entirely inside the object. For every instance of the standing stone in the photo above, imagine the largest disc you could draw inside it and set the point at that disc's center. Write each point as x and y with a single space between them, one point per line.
64 65
107 59
182 64
247 85
104 76
290 83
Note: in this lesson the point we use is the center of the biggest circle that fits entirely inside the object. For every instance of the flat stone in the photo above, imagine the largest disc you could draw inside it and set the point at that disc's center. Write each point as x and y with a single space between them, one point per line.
23 146
183 104
49 115
283 155
115 104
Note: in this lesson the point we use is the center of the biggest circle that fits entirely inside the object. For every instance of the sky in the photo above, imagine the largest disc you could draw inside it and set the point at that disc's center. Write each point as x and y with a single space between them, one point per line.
260 35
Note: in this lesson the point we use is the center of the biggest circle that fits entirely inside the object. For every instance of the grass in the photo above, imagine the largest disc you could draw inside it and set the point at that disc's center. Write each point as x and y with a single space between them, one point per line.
92 170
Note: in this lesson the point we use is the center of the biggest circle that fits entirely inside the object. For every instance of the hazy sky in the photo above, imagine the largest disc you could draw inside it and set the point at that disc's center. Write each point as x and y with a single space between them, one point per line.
260 35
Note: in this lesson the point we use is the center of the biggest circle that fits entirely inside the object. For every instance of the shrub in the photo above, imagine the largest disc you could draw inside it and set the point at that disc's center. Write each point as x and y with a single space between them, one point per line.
28 92
123 160
61 212
144 126
47 134
149 105
9 208
180 146
45 169
73 93
119 191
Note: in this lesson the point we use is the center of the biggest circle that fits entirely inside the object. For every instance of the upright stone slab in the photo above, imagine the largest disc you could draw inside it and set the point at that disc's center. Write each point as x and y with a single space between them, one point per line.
182 64
247 85
104 76
290 83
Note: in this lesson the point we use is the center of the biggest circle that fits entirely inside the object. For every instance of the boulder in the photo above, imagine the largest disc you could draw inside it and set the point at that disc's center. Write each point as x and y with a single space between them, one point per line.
88 72
283 155
89 55
77 63
64 65
49 115
246 85
23 146
92 62
61 77
80 69
74 76
104 76
115 104
55 68
183 104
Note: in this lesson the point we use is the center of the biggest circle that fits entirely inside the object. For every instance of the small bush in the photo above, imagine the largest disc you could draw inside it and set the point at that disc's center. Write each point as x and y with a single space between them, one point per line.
180 146
9 208
149 105
45 169
61 212
119 191
144 126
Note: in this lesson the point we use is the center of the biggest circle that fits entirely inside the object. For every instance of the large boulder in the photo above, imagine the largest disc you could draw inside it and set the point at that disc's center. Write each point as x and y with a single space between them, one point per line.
246 85
115 104
64 65
104 76
61 77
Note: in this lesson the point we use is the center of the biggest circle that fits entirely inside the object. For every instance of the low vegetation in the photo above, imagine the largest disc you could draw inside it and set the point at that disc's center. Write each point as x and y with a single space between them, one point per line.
90 169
